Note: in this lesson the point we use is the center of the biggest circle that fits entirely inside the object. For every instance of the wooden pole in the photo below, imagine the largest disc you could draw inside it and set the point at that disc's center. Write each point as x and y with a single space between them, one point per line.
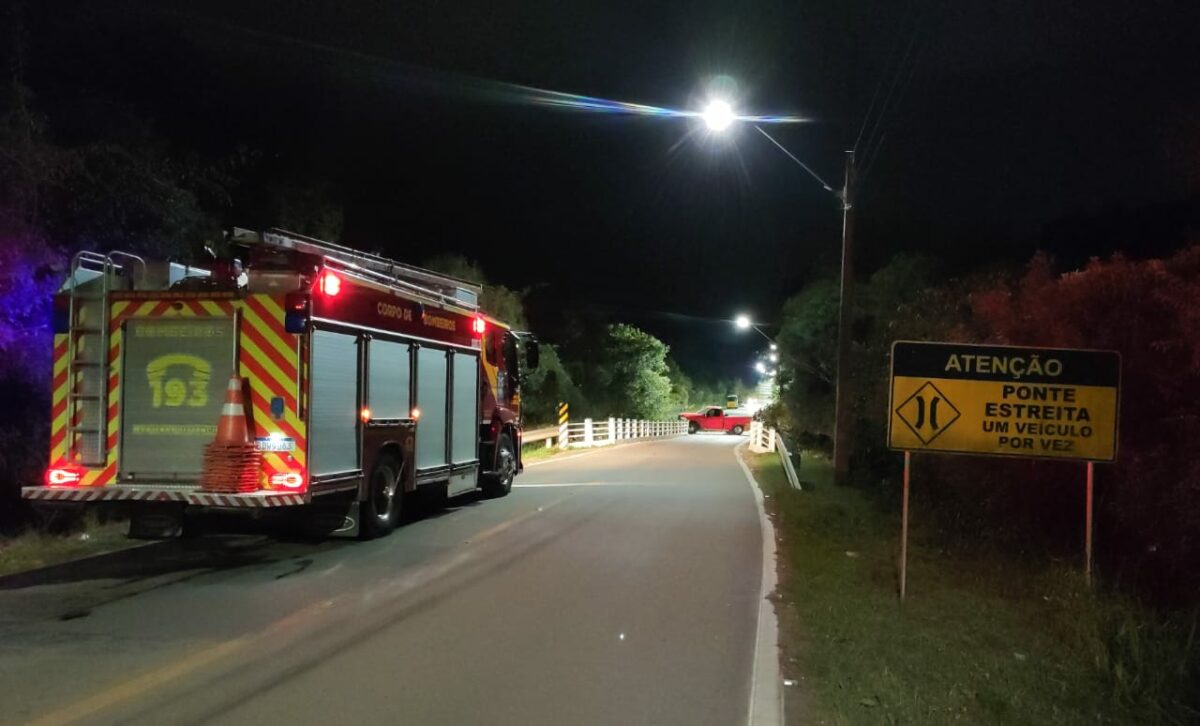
904 530
842 421
1087 529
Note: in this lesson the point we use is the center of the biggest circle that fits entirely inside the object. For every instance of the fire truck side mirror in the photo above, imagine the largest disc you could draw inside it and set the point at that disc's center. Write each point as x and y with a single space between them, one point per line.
532 354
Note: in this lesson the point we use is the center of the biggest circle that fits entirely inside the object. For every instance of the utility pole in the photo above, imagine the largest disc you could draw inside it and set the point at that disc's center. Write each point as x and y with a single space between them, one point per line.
842 422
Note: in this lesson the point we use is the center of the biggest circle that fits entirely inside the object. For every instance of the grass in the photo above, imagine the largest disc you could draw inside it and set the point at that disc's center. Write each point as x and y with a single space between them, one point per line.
981 638
34 549
538 451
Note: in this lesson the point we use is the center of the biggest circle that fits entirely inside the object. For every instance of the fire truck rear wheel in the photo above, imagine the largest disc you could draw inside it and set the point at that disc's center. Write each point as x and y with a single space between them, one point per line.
693 427
380 512
499 482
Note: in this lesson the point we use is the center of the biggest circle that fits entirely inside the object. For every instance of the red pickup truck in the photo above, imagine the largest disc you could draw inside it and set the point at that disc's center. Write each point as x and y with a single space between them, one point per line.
715 418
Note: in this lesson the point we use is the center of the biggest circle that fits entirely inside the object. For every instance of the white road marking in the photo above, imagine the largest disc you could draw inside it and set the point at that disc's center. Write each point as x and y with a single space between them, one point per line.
596 450
590 484
766 697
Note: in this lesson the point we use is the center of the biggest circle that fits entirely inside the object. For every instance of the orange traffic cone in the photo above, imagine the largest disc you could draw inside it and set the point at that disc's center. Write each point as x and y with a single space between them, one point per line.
231 428
232 464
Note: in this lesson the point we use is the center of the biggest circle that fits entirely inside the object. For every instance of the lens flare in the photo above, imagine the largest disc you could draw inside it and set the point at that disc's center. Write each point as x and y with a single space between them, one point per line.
718 115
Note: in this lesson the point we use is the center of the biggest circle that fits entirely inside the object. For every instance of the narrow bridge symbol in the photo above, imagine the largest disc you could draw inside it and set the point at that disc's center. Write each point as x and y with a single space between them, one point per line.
927 413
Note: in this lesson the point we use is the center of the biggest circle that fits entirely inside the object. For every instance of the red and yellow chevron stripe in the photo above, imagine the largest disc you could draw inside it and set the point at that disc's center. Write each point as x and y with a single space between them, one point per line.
268 357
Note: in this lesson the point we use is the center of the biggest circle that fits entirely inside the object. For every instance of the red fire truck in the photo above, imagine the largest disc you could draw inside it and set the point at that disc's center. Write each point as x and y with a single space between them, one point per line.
364 379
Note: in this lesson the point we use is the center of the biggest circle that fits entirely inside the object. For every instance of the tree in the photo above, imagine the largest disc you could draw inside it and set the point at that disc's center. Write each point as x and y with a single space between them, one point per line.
681 386
504 303
628 376
306 207
808 361
1146 310
545 387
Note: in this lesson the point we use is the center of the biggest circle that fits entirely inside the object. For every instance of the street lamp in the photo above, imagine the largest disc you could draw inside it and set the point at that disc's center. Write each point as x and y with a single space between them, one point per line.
718 118
760 367
718 115
743 322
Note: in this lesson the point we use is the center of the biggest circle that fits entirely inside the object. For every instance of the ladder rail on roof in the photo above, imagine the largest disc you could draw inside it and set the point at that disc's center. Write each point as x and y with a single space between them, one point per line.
439 287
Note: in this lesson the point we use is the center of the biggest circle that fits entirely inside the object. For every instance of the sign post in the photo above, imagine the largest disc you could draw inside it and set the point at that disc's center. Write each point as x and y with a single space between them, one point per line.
904 528
1087 529
991 400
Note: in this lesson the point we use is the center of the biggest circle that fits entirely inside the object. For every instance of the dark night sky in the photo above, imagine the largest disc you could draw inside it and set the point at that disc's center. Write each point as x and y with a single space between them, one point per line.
1019 114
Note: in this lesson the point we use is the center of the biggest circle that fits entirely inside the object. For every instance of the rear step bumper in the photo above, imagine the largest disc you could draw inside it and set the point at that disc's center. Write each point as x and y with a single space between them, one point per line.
150 494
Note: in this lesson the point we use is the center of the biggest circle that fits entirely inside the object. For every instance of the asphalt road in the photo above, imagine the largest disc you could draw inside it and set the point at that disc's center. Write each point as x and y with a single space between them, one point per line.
616 587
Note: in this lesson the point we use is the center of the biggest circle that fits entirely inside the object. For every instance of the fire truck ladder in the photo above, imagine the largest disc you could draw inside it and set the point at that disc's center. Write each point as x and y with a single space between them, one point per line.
93 277
442 288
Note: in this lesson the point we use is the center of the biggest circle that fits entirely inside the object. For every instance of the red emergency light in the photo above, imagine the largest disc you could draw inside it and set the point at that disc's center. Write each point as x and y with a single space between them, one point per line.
329 284
66 475
479 326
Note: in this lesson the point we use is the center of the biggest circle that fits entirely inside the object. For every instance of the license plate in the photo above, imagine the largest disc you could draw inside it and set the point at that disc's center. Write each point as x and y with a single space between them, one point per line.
275 443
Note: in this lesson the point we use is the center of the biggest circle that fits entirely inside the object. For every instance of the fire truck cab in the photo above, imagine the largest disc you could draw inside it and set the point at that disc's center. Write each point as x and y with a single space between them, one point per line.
361 379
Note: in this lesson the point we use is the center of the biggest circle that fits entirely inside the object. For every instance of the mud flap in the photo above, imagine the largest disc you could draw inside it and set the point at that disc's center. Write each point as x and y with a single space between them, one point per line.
338 520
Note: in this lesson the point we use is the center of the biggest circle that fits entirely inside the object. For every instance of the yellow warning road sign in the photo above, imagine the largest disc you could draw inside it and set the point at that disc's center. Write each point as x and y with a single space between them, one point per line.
1004 400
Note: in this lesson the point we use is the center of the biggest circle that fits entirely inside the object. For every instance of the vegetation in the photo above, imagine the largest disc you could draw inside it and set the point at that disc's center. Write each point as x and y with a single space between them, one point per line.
83 537
982 638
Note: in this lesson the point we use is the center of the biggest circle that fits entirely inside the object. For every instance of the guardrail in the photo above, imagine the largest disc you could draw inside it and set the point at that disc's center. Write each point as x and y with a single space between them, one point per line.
764 440
589 433
536 435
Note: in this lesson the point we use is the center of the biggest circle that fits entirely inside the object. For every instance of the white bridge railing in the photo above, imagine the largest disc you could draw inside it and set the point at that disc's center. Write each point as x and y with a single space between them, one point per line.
588 433
764 440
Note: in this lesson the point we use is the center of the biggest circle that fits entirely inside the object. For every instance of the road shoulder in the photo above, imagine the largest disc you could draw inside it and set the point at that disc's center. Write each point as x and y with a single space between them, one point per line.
766 694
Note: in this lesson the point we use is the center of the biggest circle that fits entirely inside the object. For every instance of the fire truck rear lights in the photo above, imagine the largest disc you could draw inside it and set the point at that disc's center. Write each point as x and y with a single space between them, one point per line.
479 325
365 414
63 476
288 479
416 413
329 284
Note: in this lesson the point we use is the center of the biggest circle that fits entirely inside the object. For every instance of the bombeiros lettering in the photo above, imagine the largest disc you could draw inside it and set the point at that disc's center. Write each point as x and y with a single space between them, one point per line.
439 322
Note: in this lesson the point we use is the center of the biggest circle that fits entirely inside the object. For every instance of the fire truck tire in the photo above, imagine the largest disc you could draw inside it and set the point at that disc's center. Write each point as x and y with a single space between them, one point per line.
693 427
380 512
737 430
499 482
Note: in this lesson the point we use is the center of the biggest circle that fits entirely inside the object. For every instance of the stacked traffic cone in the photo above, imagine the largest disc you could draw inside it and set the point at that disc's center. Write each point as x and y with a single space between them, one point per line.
231 461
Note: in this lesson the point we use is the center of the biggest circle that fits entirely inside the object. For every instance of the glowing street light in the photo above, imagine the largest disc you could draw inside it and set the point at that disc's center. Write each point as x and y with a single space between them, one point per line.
743 322
760 367
718 115
774 357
